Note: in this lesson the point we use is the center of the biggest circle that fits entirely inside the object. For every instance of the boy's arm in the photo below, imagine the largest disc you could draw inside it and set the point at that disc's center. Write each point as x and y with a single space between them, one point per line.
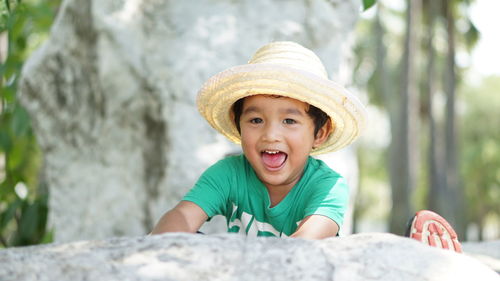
185 217
316 227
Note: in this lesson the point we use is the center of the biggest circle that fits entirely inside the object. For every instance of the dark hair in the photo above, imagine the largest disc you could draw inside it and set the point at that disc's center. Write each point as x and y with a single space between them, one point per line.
318 116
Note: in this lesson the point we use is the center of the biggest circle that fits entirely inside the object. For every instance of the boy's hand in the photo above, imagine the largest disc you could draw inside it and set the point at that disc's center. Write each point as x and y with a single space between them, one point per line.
316 227
185 217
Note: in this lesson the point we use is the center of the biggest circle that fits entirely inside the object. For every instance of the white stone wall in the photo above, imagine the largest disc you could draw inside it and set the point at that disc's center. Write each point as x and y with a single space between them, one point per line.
112 98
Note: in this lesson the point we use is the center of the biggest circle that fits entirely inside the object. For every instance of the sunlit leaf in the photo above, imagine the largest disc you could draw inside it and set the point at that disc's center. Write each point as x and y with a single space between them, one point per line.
28 221
5 142
367 4
48 237
8 215
472 36
17 155
43 212
8 94
7 5
3 20
20 122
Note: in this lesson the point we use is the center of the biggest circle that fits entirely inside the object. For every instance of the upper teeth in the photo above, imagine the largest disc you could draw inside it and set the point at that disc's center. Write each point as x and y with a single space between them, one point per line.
272 152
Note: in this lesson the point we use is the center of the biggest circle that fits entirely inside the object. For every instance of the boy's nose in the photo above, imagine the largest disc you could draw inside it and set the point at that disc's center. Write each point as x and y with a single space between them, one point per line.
272 132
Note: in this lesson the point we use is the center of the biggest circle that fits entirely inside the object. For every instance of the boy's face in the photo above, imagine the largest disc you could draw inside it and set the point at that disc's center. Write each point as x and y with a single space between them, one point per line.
277 135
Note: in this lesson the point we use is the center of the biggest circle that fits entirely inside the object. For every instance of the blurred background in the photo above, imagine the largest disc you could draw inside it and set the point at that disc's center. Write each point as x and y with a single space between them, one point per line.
431 74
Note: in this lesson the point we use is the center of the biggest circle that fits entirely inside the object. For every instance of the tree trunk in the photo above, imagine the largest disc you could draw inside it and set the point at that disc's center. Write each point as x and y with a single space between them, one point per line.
480 227
404 156
455 194
388 92
382 77
436 196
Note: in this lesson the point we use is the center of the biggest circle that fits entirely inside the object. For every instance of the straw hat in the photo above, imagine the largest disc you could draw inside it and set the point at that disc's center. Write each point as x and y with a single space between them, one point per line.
285 69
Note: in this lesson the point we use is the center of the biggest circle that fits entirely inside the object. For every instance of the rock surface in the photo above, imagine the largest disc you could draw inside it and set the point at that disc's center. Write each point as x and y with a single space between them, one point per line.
487 252
233 257
112 98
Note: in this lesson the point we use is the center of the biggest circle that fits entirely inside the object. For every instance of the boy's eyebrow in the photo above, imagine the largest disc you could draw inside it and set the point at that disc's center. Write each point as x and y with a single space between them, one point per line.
255 109
250 109
293 111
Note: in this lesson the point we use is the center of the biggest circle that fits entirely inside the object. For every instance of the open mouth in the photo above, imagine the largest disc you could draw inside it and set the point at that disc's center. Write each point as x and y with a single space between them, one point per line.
273 159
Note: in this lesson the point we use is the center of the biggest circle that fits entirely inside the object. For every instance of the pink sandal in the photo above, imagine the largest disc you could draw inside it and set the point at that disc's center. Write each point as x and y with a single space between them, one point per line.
433 230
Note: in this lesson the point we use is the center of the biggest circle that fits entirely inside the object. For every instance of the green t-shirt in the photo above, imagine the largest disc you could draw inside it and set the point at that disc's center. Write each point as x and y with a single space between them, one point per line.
232 189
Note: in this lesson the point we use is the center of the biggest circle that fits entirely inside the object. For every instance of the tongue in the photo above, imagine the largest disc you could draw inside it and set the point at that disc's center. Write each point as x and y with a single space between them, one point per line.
274 160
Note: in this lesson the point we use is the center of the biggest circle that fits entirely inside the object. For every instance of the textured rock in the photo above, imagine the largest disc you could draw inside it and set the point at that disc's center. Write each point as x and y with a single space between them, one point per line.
487 252
112 98
233 257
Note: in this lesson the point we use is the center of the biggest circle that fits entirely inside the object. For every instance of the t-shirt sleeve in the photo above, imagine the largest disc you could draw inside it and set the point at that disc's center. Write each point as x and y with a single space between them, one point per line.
330 199
211 191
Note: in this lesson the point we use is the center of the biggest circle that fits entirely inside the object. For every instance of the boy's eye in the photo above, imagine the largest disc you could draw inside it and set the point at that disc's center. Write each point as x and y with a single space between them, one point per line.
256 120
289 121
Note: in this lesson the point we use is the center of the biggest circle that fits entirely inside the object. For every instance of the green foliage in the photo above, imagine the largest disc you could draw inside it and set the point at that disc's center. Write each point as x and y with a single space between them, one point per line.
367 4
372 200
480 148
23 200
471 36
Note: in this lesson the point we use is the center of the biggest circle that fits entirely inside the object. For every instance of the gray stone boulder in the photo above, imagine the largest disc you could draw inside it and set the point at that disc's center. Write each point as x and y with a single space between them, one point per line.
233 257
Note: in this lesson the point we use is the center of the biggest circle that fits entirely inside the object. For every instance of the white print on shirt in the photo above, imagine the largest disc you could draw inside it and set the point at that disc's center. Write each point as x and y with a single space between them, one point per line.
255 225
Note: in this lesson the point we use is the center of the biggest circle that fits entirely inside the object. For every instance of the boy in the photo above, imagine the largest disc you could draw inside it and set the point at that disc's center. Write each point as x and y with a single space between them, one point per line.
281 107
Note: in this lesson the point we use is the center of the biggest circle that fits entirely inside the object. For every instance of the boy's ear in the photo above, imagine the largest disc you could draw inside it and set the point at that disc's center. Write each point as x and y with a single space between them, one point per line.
323 133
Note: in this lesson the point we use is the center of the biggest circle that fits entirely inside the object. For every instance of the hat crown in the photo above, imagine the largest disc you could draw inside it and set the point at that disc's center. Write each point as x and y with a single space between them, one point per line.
290 54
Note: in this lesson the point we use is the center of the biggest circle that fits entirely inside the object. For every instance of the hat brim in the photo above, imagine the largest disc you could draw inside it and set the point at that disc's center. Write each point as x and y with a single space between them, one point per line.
221 91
